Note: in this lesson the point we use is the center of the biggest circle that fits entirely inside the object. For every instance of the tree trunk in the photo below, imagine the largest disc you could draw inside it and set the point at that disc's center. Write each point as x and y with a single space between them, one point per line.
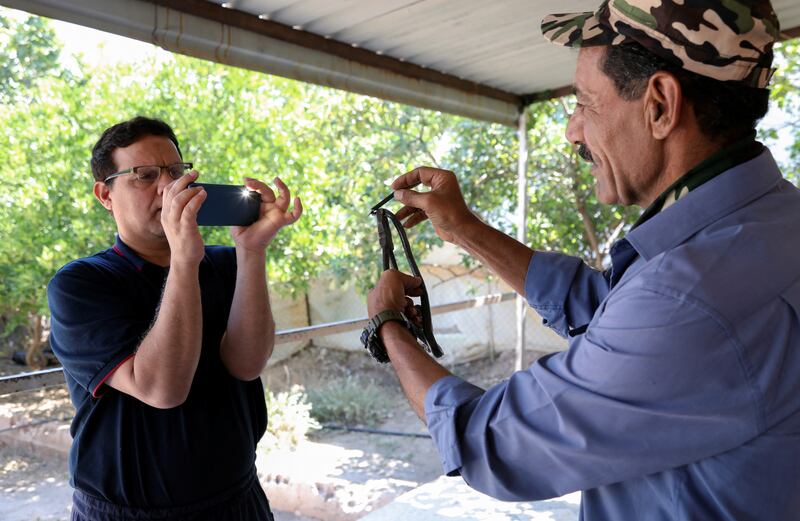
589 230
33 354
590 233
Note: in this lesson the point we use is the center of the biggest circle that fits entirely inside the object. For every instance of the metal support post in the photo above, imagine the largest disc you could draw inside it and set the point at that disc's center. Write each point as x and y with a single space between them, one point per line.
522 210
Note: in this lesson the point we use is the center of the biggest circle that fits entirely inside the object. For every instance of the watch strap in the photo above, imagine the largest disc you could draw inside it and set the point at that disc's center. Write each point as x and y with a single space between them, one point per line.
369 337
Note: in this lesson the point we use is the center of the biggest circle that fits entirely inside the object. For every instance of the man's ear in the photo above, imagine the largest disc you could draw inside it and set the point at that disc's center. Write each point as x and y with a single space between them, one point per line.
663 101
103 194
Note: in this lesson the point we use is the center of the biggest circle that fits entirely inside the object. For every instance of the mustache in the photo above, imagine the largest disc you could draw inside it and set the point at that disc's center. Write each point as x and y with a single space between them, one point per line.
585 153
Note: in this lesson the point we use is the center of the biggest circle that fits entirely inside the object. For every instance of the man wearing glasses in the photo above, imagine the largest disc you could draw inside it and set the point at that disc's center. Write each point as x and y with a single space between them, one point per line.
163 340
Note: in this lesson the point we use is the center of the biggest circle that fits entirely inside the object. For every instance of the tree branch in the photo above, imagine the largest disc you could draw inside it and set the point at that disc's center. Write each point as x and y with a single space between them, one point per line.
589 229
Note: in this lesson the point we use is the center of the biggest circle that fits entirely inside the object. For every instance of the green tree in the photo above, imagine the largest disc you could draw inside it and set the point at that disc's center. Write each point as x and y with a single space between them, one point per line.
231 123
28 52
785 97
337 150
563 214
29 57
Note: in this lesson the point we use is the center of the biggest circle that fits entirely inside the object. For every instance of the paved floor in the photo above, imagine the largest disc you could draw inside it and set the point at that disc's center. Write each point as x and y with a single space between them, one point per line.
450 499
50 500
46 500
34 486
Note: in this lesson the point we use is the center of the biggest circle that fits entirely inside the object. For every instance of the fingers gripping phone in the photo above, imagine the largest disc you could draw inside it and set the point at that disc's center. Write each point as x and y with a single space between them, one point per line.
228 205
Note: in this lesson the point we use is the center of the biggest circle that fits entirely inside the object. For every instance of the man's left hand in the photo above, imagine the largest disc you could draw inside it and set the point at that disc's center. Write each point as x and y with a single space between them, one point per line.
274 215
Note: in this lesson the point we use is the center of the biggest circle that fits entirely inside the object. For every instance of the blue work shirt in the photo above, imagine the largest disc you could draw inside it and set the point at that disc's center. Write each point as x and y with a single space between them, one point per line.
680 400
123 450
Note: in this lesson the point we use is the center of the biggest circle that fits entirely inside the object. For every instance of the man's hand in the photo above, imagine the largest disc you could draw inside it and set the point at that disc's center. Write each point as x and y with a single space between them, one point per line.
179 207
443 205
416 370
454 222
274 215
390 293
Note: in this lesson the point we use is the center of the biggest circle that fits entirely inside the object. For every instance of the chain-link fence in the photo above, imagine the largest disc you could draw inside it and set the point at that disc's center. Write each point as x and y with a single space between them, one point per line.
464 335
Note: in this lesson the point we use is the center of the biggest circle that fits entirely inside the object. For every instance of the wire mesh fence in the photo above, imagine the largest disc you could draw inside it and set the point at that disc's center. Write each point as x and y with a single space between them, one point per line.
474 317
464 335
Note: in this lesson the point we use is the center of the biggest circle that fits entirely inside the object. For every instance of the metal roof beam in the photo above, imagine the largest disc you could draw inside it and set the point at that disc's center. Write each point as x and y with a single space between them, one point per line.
279 31
788 34
206 30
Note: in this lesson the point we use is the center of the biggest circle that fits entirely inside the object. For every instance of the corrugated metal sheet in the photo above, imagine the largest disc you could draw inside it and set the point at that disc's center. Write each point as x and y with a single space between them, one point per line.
496 43
204 38
495 46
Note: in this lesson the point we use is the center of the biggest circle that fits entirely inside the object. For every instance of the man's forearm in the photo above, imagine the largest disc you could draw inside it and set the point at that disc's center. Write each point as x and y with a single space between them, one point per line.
416 370
250 335
502 254
166 360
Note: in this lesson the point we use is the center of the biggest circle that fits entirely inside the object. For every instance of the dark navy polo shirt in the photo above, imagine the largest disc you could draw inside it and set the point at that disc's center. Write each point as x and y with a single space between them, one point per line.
124 450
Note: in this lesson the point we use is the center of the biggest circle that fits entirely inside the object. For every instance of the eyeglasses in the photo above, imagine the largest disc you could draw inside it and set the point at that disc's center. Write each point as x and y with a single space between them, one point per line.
149 174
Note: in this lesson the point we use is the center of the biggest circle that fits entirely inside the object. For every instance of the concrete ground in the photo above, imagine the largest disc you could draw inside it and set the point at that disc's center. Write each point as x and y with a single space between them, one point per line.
330 479
335 476
45 499
34 487
445 499
450 499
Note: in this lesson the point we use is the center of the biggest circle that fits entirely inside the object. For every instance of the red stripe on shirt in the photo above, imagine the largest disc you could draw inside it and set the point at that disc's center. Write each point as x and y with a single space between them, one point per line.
95 392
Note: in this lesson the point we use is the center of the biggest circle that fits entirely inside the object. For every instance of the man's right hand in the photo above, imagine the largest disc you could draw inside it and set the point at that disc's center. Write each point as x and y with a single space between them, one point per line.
443 204
179 209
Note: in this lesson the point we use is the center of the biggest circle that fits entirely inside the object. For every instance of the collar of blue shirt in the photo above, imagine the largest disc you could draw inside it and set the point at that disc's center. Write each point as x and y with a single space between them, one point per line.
706 204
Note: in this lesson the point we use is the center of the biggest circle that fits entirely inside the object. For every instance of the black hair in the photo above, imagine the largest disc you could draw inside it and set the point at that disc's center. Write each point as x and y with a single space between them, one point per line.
725 110
122 135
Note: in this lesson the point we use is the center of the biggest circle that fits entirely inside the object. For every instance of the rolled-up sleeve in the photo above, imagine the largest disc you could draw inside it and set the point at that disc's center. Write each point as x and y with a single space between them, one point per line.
655 383
564 290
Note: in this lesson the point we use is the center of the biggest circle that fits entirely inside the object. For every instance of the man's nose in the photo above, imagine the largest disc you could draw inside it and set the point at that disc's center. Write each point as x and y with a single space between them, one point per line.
164 179
574 133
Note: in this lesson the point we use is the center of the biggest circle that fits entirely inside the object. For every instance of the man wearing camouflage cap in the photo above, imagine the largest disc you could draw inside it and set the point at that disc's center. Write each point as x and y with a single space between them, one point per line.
679 395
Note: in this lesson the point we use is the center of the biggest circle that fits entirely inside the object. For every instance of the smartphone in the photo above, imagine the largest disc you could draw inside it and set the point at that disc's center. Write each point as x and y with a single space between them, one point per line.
228 205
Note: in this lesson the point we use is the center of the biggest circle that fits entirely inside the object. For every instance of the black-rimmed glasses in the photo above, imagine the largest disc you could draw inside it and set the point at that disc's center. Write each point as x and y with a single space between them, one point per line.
149 174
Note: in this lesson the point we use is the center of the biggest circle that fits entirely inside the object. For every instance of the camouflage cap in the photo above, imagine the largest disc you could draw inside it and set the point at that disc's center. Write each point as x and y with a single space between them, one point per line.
728 40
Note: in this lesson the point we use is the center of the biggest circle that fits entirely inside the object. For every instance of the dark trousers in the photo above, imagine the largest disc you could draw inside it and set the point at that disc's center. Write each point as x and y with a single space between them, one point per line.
246 503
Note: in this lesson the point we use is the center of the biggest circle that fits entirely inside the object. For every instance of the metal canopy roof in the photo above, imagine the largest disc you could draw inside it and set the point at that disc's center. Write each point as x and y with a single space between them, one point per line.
497 44
480 59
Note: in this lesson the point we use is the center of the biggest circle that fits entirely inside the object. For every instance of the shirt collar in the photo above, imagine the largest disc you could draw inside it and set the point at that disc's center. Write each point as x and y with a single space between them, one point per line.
705 204
125 251
724 159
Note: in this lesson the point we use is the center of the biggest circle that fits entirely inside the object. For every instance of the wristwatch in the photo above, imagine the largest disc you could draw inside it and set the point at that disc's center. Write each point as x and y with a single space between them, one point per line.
371 340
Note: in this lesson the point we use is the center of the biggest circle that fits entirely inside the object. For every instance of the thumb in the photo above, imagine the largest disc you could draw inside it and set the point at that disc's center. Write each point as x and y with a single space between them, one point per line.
412 198
410 283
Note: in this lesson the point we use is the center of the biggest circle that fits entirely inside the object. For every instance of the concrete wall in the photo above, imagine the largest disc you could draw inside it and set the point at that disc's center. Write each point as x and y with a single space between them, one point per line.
463 335
289 313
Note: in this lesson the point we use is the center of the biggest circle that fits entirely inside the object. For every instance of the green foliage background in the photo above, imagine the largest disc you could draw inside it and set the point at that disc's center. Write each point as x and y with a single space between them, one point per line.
785 96
337 150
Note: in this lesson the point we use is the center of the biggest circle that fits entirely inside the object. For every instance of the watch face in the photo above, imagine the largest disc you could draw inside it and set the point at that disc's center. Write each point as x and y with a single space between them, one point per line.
373 344
377 351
